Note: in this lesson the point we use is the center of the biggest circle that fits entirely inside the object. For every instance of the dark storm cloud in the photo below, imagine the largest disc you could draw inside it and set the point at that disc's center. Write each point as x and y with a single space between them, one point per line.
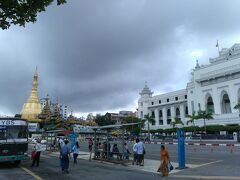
96 55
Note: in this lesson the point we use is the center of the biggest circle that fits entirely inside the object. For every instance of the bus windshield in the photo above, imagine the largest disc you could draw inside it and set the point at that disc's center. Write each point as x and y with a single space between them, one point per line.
13 132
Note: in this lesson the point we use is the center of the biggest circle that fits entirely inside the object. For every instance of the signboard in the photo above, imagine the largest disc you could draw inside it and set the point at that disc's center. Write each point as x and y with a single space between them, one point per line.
3 128
9 122
72 138
33 127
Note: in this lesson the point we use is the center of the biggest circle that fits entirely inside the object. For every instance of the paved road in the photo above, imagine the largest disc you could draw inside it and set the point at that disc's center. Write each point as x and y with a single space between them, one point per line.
84 170
194 154
219 164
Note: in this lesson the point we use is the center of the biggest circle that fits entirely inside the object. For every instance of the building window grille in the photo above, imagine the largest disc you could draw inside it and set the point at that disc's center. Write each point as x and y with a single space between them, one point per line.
160 113
160 122
177 112
168 112
186 110
169 121
153 114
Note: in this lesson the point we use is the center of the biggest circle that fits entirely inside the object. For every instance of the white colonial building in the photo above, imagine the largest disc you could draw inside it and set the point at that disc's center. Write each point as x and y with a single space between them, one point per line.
214 87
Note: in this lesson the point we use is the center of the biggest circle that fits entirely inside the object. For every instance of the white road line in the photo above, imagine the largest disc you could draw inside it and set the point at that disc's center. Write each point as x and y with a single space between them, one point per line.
31 173
209 163
206 177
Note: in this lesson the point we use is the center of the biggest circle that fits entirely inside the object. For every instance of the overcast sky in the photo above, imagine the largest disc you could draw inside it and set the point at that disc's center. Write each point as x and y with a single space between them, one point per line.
96 55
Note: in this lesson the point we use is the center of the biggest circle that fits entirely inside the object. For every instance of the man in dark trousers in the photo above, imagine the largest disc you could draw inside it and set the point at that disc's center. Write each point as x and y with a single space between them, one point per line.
65 155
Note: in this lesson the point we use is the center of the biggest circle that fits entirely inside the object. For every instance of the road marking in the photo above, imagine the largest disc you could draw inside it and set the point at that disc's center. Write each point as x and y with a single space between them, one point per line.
206 177
31 173
210 163
197 158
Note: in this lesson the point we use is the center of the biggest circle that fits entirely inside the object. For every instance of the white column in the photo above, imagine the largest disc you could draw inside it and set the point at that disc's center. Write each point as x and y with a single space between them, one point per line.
232 98
182 112
217 101
173 113
164 112
156 117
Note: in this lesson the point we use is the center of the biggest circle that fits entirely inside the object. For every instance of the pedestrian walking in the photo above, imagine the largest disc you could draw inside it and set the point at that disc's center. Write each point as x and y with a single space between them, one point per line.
164 155
60 143
126 151
90 145
140 152
37 153
76 150
65 156
135 155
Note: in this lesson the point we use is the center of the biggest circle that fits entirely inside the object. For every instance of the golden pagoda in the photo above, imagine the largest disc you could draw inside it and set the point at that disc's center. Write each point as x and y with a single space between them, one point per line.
32 108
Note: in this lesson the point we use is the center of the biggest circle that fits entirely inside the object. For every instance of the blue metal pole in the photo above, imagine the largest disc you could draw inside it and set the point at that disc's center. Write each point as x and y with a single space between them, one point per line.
181 149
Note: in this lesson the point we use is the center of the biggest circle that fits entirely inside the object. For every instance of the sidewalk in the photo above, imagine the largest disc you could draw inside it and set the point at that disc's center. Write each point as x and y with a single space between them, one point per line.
149 165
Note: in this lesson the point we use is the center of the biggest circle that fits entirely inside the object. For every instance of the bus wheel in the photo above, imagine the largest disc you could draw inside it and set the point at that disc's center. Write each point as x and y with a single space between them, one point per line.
17 162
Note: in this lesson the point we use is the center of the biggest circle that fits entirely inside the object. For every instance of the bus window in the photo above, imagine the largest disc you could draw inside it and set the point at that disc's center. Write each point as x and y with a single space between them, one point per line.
22 132
2 134
15 132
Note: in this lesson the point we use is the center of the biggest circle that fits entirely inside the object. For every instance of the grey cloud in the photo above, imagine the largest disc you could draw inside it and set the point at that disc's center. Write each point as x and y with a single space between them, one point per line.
96 55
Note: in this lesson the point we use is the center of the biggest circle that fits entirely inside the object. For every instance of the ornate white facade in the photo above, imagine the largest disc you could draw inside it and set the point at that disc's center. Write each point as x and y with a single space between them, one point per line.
214 87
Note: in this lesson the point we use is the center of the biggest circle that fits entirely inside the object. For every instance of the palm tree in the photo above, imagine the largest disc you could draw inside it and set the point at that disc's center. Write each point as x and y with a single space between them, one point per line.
237 106
191 120
149 119
205 115
177 121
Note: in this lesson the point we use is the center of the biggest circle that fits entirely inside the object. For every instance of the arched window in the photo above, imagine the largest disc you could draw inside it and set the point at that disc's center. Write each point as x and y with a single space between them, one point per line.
225 104
210 105
186 110
168 112
153 114
177 112
160 113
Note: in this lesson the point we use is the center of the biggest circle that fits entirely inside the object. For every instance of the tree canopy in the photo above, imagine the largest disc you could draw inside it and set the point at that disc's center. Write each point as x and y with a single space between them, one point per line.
20 12
104 120
135 129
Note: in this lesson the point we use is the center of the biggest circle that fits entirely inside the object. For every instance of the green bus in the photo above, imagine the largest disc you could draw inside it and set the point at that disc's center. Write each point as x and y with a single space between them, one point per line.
13 140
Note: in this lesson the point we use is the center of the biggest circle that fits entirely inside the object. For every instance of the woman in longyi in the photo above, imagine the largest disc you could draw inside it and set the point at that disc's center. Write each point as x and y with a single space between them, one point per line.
164 155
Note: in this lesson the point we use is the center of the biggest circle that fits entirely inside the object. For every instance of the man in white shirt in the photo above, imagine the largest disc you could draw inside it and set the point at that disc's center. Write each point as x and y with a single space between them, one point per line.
38 149
135 155
140 151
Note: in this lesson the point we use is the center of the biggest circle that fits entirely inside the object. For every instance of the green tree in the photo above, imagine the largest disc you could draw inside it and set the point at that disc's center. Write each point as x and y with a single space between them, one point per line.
237 107
134 128
205 115
20 12
192 119
177 121
149 119
104 120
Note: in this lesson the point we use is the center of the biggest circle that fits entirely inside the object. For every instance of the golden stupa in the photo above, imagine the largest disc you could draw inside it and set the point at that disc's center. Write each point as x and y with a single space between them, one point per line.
32 108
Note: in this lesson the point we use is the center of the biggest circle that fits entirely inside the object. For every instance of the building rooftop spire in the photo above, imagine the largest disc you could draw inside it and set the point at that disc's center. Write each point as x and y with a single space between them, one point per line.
197 65
146 90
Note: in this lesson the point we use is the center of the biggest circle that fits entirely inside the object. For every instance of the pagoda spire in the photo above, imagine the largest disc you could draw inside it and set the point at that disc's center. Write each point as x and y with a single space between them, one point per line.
32 107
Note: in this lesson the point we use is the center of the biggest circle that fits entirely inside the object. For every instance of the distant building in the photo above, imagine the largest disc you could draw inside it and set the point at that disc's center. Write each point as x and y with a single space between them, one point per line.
214 87
118 117
63 109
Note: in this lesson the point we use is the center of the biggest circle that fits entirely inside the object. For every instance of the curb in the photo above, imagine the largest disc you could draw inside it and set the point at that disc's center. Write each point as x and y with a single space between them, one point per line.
195 144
